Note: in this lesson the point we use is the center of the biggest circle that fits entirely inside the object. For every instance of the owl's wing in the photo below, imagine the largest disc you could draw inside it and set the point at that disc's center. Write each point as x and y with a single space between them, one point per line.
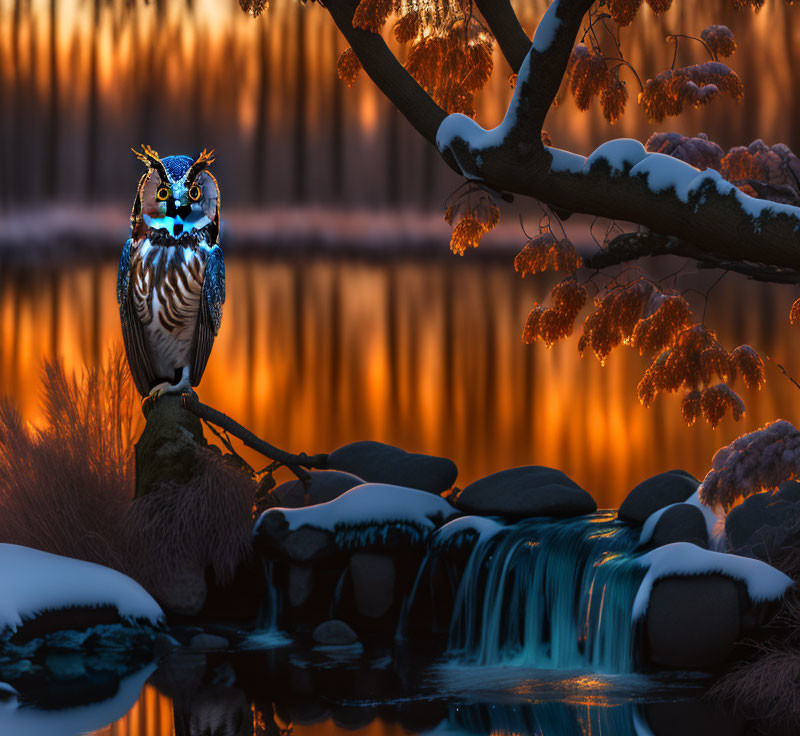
132 332
210 317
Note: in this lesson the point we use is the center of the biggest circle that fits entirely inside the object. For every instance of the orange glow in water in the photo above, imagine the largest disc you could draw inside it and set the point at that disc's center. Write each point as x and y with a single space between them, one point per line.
427 355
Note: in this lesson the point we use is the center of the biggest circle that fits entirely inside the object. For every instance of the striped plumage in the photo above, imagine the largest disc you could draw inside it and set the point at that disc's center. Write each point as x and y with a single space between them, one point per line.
171 283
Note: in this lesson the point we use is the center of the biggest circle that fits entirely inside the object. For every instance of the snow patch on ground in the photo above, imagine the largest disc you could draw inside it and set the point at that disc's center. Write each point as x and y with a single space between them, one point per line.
764 582
371 503
33 581
547 28
22 721
620 154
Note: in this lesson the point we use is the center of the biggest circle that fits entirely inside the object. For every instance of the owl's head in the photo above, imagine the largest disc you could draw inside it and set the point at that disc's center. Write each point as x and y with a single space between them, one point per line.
177 195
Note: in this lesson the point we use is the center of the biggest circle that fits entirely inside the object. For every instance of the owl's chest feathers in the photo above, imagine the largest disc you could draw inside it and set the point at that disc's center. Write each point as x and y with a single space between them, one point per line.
167 287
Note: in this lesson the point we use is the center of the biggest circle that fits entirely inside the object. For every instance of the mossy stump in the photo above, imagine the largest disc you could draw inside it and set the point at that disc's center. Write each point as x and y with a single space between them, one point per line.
167 450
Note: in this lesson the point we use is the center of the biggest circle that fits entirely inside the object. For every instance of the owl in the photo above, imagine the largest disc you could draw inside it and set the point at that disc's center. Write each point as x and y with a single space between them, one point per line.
171 282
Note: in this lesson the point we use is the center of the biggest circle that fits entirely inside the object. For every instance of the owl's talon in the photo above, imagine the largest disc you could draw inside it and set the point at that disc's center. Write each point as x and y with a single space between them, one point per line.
148 402
187 396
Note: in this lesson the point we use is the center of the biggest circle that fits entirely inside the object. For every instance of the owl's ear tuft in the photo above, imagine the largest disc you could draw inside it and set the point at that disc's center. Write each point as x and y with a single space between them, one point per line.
150 158
203 161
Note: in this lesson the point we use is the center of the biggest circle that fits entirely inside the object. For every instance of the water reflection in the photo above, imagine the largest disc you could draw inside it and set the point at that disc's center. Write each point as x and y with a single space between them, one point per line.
425 354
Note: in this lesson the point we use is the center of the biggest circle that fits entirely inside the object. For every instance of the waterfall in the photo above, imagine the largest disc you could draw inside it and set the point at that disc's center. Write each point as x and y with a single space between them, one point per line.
550 594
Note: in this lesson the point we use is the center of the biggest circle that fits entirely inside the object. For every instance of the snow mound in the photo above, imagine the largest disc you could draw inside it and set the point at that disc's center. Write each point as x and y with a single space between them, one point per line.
764 582
371 504
33 581
23 721
619 154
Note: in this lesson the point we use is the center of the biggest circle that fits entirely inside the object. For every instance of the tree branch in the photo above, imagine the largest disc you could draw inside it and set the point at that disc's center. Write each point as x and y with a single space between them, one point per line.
506 28
295 463
633 246
387 72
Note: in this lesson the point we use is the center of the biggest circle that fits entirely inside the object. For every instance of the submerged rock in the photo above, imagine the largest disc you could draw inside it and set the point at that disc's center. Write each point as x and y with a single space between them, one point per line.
325 485
334 633
682 522
673 486
523 492
209 642
376 462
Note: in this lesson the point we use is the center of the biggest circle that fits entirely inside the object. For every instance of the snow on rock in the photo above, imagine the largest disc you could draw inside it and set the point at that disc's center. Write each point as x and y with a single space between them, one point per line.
479 527
764 582
547 28
33 581
25 721
714 521
368 506
619 154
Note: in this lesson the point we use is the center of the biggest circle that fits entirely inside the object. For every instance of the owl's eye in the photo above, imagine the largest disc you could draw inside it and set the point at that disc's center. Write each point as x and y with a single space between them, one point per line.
162 194
195 193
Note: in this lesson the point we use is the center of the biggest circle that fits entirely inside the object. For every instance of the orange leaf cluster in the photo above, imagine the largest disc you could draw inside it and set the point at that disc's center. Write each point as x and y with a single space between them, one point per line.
744 4
348 67
659 6
544 253
668 93
613 98
794 313
451 69
720 40
407 26
589 76
370 15
557 322
254 7
693 360
739 165
712 403
658 331
623 11
747 363
475 219
614 318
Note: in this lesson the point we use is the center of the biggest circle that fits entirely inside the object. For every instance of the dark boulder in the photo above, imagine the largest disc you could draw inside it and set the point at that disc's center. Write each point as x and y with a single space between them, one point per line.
681 523
300 585
674 486
376 462
762 525
325 485
531 490
693 718
308 544
373 577
334 633
693 622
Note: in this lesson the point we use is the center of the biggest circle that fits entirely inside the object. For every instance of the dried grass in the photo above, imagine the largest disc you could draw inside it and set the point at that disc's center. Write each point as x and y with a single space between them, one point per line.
203 524
64 488
67 487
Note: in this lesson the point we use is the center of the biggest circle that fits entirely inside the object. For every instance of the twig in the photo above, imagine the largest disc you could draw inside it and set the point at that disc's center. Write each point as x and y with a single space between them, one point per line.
295 463
783 370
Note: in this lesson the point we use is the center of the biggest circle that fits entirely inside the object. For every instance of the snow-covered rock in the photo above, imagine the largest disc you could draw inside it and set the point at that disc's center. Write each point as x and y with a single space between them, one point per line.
680 522
762 581
531 490
369 515
33 582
